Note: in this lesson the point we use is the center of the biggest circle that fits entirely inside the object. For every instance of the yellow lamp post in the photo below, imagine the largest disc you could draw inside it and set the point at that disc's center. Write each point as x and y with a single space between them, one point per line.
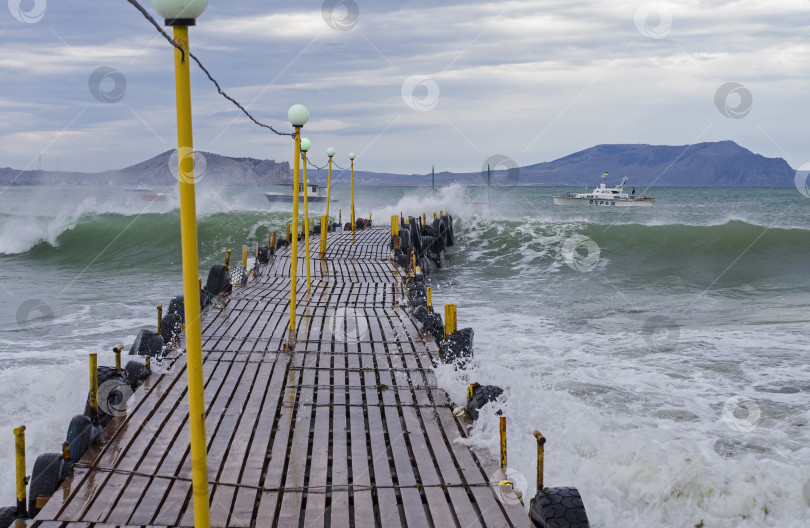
180 14
305 146
351 157
298 116
329 152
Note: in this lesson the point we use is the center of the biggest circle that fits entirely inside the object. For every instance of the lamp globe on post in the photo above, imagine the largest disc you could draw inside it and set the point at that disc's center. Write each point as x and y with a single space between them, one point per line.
298 116
331 153
306 144
351 157
180 14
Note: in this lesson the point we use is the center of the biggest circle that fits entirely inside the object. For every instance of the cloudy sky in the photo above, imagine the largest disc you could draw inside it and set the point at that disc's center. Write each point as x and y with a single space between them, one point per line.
407 84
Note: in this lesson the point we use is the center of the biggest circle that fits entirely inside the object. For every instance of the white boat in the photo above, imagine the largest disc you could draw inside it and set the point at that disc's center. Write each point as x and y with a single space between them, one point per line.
314 194
141 188
605 196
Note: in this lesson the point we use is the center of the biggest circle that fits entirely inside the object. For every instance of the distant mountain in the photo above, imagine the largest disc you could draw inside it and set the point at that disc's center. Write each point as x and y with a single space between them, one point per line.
216 170
718 164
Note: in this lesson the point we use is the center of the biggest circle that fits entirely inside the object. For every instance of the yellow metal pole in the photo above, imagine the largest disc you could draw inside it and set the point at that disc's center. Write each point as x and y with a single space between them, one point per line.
340 218
435 217
273 245
19 451
449 320
117 349
306 221
353 220
93 397
503 442
324 228
160 317
294 242
188 236
395 230
429 299
328 188
244 256
228 259
541 440
471 391
424 219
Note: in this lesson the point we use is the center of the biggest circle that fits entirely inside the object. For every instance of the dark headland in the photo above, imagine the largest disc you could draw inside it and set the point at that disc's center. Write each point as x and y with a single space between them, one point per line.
715 164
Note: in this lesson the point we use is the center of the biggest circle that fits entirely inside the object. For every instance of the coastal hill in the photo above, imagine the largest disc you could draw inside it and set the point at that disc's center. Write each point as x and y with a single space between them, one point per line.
220 170
717 164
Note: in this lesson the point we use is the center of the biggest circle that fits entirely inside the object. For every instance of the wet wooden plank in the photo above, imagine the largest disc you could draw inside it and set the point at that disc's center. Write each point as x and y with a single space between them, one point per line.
284 446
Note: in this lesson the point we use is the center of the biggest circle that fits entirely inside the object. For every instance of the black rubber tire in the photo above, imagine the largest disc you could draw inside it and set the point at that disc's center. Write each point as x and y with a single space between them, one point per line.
219 280
417 294
147 343
416 238
441 236
238 275
264 254
482 396
428 241
451 237
80 436
458 350
434 325
404 240
559 508
106 374
7 516
421 314
50 469
135 373
177 306
170 327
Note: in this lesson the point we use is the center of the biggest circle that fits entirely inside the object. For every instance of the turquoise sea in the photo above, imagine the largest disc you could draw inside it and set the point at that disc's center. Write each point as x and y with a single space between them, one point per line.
662 351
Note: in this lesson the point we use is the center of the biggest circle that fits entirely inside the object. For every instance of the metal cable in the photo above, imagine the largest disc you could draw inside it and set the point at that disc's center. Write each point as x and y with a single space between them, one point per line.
203 68
319 168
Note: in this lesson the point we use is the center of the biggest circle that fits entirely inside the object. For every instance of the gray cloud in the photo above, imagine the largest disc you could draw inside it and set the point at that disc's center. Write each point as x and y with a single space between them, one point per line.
533 80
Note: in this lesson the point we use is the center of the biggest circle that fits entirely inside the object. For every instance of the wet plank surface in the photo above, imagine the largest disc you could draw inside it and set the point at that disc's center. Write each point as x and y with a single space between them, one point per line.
342 426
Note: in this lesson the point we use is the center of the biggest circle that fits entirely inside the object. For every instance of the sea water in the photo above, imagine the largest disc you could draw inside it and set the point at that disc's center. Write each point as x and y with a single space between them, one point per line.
662 351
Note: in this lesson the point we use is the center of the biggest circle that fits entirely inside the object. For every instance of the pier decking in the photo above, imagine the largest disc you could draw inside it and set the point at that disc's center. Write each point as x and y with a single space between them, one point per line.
344 428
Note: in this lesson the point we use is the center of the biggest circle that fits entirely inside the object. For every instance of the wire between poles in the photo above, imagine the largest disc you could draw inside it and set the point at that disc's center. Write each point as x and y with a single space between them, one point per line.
222 92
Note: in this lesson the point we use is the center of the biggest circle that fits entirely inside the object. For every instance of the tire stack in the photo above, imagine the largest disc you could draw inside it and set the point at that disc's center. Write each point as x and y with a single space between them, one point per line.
114 389
427 243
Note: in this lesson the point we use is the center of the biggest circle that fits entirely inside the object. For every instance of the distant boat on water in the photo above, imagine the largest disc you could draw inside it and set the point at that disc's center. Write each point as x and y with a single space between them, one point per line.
314 194
605 196
140 188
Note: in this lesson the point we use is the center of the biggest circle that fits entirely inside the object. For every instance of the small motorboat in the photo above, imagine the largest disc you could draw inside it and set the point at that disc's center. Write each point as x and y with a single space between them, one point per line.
140 188
605 196
314 194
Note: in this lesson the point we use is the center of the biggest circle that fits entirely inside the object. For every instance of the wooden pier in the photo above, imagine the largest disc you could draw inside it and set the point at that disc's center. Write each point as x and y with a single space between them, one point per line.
343 427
